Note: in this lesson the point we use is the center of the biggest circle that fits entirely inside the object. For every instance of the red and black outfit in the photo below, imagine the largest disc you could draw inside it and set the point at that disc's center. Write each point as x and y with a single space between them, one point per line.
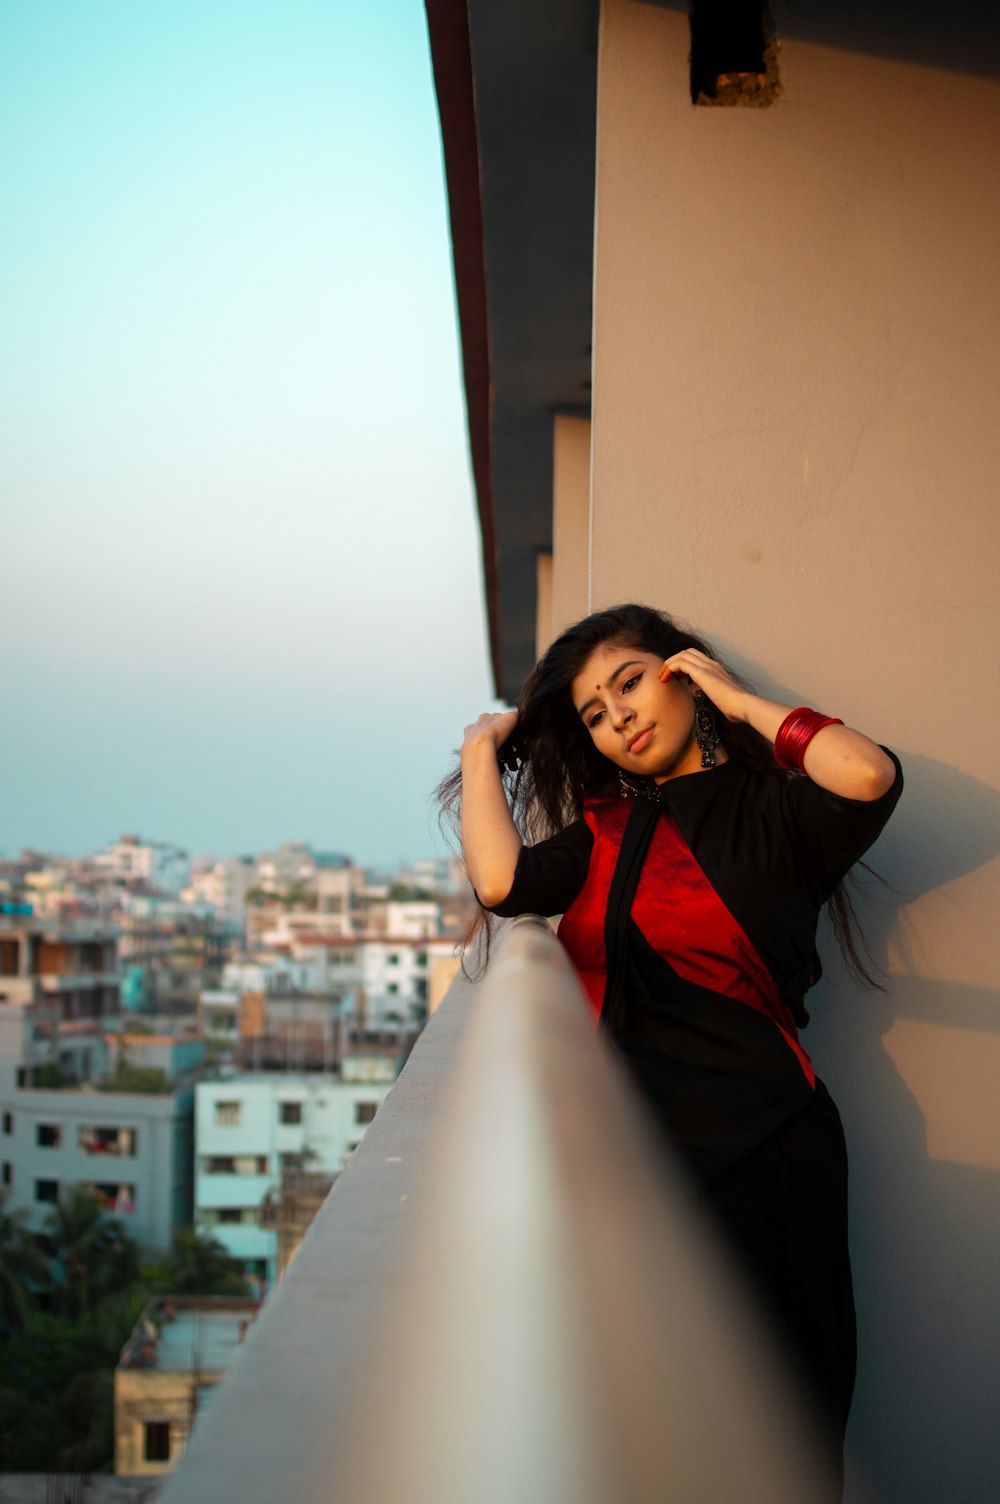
691 918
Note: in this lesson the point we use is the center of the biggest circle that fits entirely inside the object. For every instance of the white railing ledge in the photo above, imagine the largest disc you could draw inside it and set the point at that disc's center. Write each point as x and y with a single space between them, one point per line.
507 1298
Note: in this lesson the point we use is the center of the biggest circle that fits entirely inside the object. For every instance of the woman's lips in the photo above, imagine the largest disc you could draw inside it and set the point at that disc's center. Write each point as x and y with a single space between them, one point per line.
638 742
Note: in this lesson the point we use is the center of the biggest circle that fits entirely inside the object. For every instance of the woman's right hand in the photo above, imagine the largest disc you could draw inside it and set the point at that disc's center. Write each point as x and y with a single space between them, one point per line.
492 729
490 839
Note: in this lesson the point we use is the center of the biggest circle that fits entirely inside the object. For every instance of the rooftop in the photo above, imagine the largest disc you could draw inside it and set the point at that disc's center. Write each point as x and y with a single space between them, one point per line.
176 1334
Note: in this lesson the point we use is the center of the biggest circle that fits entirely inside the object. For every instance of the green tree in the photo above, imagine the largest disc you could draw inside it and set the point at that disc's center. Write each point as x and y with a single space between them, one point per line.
95 1253
51 1078
23 1269
27 1428
258 896
147 1079
299 893
407 893
87 1410
200 1265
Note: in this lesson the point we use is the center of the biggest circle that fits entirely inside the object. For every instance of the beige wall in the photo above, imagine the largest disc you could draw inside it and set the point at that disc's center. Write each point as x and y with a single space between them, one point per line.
796 447
142 1396
543 603
570 521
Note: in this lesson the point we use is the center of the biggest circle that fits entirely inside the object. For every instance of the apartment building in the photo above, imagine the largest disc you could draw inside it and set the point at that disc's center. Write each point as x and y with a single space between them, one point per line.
178 1352
249 1128
68 967
223 887
158 865
133 1151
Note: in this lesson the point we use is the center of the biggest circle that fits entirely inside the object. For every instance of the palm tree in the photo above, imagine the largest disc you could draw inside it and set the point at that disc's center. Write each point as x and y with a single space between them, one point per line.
23 1268
95 1251
200 1265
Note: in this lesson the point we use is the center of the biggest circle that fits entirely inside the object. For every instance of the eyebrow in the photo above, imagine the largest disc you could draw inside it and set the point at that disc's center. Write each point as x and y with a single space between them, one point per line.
611 684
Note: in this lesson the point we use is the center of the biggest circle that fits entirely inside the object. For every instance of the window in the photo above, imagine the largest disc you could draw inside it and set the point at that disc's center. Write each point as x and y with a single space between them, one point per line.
48 1135
122 1141
113 1197
8 1173
421 958
46 1190
237 1216
289 1112
8 1122
218 1164
365 1111
393 988
234 1164
227 1114
156 1442
394 959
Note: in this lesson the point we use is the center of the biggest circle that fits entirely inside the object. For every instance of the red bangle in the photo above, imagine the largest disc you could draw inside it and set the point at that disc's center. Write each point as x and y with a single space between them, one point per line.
796 732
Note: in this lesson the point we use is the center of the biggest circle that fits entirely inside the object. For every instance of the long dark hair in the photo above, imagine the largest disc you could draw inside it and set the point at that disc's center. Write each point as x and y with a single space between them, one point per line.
558 765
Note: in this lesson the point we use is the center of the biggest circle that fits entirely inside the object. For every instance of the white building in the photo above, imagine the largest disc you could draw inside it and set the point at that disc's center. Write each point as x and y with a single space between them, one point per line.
158 864
224 887
249 1128
133 1150
275 975
387 975
292 862
337 892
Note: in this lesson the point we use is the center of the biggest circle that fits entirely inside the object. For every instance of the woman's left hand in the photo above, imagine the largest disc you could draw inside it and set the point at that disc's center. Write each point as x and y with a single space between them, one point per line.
726 695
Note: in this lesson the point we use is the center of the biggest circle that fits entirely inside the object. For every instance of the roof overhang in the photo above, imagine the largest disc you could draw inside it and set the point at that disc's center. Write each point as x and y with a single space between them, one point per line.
517 93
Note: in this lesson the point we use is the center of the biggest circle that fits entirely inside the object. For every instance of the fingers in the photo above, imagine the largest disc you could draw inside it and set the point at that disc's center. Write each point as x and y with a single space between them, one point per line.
493 725
689 662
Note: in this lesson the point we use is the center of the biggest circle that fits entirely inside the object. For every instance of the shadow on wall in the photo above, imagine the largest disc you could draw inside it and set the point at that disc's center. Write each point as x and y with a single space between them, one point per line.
925 1167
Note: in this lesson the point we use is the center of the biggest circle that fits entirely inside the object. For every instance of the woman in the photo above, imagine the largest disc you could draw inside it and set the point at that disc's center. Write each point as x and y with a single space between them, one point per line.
692 833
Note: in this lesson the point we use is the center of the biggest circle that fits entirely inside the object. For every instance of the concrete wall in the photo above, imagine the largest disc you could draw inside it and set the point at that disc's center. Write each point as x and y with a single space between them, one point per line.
543 603
570 520
143 1396
796 361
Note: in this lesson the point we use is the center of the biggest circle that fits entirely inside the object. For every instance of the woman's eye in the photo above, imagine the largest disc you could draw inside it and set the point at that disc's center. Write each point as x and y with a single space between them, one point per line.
594 720
630 682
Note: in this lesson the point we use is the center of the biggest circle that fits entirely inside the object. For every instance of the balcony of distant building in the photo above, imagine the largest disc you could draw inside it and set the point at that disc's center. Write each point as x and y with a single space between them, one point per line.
72 964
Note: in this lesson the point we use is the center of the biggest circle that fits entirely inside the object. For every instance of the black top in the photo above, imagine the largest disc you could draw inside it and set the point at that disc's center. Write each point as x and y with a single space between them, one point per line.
701 958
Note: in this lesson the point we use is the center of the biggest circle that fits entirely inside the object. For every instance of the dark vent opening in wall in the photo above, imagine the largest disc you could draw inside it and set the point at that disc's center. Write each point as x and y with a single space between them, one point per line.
733 53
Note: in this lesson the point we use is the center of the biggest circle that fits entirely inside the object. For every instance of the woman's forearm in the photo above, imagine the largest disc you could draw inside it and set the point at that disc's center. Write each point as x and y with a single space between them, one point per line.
839 759
491 843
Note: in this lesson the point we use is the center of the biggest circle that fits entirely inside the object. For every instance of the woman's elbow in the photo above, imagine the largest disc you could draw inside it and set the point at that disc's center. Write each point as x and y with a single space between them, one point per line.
493 892
878 777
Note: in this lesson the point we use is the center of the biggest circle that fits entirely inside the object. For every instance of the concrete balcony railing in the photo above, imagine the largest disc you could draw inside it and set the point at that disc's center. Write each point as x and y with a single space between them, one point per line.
506 1298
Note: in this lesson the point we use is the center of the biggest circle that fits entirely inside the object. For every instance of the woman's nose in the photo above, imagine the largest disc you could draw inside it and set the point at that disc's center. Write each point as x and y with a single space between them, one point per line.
622 715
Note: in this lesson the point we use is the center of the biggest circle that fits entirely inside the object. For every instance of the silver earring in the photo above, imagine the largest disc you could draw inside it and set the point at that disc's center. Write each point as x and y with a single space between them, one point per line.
705 731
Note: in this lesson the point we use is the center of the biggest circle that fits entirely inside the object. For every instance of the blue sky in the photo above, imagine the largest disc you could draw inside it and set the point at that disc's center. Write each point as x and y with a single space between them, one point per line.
240 589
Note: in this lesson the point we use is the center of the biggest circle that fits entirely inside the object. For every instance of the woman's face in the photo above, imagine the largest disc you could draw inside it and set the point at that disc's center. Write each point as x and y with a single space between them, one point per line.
640 724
